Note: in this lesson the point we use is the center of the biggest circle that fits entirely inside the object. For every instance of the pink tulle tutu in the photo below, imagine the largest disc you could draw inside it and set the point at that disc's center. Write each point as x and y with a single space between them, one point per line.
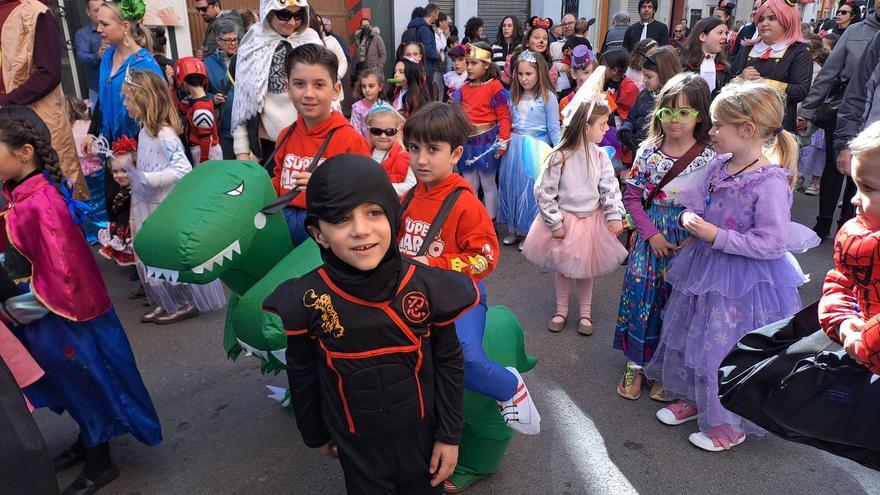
588 250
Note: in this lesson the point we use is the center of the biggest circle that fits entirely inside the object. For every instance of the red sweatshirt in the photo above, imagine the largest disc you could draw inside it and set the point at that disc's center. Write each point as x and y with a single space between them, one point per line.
296 154
396 163
852 289
467 242
201 127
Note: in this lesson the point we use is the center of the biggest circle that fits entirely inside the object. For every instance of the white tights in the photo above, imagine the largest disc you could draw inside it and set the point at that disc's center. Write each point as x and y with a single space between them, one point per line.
490 189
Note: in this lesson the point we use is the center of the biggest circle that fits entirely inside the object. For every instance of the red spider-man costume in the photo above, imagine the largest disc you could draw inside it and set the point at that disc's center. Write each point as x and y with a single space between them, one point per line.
852 288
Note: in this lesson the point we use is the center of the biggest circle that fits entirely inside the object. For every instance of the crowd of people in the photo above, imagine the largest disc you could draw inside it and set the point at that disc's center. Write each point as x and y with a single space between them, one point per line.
673 151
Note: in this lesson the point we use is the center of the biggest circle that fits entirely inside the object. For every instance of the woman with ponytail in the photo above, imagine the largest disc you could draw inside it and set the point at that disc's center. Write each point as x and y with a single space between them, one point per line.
55 302
737 274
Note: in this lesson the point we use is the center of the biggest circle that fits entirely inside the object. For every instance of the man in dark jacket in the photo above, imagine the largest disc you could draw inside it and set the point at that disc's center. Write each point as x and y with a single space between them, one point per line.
840 67
648 27
419 29
861 104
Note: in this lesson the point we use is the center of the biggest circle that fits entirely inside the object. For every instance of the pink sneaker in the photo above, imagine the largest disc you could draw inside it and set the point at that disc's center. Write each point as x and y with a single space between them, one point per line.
679 412
718 438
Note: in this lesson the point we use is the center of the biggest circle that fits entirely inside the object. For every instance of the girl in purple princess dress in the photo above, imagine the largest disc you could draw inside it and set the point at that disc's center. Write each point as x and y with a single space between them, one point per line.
737 273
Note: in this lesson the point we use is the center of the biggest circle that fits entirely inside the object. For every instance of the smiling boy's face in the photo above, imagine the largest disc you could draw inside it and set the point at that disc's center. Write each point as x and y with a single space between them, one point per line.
360 239
312 90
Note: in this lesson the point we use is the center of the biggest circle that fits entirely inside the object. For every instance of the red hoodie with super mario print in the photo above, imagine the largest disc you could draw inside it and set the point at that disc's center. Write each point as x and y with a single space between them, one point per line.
297 152
467 243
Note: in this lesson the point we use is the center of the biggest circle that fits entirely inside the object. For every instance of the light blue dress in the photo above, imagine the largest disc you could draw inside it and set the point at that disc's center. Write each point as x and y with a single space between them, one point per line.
535 121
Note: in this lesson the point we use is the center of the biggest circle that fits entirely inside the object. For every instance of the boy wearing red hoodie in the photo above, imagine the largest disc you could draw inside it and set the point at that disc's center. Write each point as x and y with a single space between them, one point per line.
312 85
464 241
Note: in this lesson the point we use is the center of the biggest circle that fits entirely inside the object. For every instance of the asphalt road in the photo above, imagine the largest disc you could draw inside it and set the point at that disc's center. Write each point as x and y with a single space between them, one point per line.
223 436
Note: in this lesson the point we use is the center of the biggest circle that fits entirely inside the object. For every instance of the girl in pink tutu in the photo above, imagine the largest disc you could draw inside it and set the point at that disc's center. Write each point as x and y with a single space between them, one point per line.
737 272
580 205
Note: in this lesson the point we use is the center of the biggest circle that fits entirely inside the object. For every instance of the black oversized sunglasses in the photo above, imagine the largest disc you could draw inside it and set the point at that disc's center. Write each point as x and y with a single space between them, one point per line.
377 131
286 15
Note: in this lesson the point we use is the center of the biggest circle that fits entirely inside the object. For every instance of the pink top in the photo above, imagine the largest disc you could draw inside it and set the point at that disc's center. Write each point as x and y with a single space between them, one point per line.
24 369
90 164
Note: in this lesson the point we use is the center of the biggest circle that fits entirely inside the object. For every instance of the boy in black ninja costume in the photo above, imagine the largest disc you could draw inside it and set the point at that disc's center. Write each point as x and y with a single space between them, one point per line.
374 363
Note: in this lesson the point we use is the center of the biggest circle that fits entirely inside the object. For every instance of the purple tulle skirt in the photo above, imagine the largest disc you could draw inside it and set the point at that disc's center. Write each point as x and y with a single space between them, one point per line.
716 299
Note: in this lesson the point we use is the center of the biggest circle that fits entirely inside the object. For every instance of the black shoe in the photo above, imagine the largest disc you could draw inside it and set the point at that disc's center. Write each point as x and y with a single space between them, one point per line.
822 229
74 455
83 485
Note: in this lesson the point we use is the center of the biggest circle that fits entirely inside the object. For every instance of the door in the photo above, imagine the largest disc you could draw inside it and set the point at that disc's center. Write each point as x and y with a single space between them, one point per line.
494 11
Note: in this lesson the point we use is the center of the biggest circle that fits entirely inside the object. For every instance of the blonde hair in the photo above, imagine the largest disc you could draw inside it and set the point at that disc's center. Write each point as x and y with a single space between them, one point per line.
763 106
399 120
149 94
868 141
140 35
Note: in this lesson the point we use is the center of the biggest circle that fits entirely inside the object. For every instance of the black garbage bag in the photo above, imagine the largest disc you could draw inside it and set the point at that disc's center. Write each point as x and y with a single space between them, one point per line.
795 382
24 462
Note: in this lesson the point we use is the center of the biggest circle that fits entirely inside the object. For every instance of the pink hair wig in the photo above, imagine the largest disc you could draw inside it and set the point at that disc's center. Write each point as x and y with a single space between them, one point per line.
789 17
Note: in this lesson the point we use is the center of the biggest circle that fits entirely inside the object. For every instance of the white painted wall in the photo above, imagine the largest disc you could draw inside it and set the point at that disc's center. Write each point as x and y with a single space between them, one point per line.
402 11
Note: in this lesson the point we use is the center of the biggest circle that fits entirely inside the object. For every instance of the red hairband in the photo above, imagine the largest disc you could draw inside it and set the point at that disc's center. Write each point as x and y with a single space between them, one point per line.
124 144
542 23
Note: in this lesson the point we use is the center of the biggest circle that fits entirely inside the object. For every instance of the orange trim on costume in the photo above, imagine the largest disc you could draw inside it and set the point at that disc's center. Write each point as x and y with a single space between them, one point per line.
465 310
384 306
406 278
375 352
339 386
296 332
419 383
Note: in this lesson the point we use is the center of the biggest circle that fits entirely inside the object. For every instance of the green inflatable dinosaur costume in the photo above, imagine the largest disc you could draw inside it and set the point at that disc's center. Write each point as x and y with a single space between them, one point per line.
212 226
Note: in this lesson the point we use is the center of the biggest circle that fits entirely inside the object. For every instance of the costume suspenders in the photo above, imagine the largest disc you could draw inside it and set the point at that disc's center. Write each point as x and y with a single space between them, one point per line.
283 200
439 218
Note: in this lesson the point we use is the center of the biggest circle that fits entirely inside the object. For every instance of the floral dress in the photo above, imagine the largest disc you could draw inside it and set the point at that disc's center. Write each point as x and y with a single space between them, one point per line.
644 286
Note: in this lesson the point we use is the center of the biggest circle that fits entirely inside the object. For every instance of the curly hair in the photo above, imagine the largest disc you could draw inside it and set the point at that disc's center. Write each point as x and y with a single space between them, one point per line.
21 126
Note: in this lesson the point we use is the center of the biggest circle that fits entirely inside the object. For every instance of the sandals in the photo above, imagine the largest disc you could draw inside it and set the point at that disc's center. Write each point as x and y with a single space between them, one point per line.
658 393
555 326
587 329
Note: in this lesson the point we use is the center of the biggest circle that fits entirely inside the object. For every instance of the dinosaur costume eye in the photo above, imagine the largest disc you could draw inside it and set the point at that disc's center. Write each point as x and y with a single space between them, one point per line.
237 191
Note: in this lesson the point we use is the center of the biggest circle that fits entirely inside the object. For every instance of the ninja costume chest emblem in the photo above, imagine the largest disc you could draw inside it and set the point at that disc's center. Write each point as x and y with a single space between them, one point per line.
329 318
415 307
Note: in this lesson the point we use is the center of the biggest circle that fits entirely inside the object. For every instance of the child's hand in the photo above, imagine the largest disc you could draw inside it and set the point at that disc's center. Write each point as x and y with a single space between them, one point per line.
661 246
698 227
850 327
302 180
502 149
219 99
86 146
328 450
853 345
559 233
444 457
615 227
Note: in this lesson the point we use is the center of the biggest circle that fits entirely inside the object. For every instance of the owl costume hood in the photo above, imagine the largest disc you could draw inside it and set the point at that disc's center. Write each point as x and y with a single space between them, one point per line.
255 58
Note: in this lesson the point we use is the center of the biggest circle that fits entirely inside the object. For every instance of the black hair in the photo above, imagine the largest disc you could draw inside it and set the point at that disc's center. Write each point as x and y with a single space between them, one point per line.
437 122
312 54
159 38
471 27
20 125
517 31
417 12
616 58
416 87
652 2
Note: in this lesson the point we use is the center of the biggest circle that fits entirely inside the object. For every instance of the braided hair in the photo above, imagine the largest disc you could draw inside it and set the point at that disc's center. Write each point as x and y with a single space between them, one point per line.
19 125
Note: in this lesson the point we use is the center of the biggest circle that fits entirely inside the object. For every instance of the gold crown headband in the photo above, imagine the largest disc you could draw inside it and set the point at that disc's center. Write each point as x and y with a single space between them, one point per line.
477 53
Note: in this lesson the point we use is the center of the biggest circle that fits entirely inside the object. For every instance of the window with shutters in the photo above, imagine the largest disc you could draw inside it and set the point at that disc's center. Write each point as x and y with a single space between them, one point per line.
494 11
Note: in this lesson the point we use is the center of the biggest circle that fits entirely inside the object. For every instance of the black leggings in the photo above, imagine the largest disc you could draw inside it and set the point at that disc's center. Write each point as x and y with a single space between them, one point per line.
829 190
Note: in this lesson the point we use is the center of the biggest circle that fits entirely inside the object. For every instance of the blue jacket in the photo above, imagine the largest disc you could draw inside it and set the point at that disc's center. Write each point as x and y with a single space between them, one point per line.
88 42
424 34
115 121
220 81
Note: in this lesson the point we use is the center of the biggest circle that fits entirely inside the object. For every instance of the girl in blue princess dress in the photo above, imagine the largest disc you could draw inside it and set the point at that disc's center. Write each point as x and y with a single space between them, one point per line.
534 113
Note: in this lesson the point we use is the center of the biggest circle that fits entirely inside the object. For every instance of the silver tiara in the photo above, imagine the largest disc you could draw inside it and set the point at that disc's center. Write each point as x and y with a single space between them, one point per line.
102 147
527 56
129 80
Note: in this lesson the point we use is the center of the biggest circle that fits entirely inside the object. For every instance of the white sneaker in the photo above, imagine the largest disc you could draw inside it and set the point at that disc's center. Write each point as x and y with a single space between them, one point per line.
509 240
813 190
519 411
701 440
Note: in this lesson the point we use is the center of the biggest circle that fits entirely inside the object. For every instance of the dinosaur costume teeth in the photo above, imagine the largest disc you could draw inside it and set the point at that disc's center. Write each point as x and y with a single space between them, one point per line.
161 273
227 253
